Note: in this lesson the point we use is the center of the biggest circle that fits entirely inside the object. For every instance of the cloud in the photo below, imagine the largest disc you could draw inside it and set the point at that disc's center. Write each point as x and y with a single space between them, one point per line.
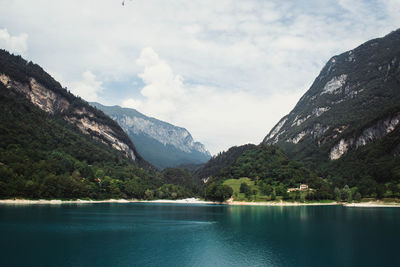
158 76
230 117
14 44
163 91
88 88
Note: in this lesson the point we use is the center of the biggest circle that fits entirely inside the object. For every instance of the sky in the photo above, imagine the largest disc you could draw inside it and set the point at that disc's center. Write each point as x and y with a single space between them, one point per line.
226 70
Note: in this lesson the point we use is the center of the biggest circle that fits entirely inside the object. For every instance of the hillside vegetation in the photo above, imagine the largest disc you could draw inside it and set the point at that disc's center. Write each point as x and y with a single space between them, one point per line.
346 126
269 173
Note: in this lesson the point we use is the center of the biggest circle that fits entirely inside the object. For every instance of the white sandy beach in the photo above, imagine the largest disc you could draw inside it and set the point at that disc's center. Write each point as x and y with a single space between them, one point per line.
281 203
372 204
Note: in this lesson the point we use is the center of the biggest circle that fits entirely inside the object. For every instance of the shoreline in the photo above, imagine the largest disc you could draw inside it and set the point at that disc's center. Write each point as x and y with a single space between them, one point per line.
83 201
194 201
375 204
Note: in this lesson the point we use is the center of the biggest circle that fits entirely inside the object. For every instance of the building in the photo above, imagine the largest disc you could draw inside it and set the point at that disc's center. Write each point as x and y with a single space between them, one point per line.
302 187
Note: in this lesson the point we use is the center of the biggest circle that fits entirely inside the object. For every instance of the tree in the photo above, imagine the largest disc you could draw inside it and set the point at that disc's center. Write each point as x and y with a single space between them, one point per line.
337 194
244 188
133 189
267 189
380 191
224 192
149 194
346 194
357 197
218 192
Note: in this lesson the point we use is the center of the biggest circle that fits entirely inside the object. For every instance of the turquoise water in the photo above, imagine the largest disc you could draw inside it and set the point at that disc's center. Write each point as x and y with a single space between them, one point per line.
197 235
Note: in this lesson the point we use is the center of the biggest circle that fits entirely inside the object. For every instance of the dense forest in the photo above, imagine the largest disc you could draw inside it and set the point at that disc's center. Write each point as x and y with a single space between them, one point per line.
273 173
222 160
269 173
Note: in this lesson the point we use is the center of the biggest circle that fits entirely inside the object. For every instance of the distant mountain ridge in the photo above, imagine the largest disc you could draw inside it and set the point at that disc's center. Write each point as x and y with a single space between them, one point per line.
161 143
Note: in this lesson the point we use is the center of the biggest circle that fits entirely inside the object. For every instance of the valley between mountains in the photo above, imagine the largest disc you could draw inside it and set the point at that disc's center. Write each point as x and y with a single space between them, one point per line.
341 142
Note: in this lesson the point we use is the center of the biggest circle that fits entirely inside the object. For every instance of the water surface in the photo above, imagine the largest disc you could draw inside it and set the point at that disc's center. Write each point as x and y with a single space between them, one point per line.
146 234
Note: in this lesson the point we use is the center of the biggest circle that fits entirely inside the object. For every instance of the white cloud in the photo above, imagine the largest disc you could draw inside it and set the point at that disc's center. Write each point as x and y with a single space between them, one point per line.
14 44
230 117
88 88
160 81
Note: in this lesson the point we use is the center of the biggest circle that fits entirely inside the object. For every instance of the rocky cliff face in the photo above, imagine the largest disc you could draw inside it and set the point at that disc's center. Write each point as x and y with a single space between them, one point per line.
39 95
354 101
161 143
47 94
165 133
378 130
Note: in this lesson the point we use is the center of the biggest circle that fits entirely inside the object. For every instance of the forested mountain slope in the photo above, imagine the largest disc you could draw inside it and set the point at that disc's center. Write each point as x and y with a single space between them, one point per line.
37 86
223 160
347 124
44 156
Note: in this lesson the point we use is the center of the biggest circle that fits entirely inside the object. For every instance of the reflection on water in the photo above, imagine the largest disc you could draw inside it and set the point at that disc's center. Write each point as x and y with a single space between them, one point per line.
137 234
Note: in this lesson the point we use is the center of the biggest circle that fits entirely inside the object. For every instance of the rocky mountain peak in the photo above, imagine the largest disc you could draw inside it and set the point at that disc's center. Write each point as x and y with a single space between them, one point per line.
353 101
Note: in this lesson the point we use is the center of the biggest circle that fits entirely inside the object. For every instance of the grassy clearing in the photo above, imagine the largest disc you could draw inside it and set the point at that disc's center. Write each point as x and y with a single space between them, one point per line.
235 184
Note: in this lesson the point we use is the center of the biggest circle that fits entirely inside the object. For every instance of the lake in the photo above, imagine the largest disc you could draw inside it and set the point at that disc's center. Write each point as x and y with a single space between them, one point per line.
144 234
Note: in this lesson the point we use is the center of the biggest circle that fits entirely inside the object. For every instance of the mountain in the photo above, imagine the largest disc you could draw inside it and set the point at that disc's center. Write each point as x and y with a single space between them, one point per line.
223 160
47 94
346 124
160 143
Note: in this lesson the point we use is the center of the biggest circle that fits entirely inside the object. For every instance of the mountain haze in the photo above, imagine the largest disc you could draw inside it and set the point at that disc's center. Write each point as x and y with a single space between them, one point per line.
160 143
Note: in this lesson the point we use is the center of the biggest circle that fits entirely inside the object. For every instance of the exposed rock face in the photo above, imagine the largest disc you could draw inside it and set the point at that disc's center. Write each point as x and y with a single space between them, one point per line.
380 129
161 143
88 126
354 101
162 132
39 95
53 103
316 131
273 136
334 85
